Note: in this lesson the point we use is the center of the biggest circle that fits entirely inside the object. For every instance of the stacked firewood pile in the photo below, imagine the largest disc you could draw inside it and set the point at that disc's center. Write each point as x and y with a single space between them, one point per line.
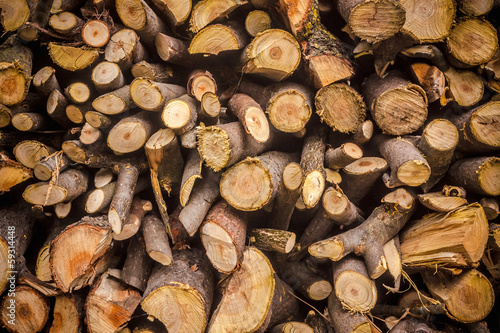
249 166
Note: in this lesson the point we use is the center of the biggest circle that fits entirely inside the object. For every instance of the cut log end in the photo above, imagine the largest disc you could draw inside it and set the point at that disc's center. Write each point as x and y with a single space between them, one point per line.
489 176
312 190
441 135
292 176
356 291
13 84
95 33
414 173
146 94
484 124
213 145
328 248
257 124
289 112
257 21
220 247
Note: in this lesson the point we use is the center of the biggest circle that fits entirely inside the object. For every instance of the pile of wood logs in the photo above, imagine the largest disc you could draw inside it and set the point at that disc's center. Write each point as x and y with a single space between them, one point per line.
249 166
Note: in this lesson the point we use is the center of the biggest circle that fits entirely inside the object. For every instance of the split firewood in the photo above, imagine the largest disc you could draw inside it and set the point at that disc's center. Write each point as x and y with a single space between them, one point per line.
208 10
180 296
252 183
367 239
230 36
32 310
451 289
431 79
439 202
110 304
152 96
467 228
476 174
12 173
68 313
78 254
64 56
156 240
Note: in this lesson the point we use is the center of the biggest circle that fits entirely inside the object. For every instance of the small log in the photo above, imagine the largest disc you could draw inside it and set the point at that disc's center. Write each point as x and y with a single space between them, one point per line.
204 194
76 113
386 18
64 56
19 14
78 253
223 235
472 41
291 326
98 120
103 177
115 102
311 162
152 96
229 36
317 322
338 207
408 166
279 60
56 108
363 132
173 50
24 310
180 114
110 304
412 325
107 76
131 133
62 209
210 109
476 174
398 106
67 186
132 223
12 173
367 239
257 21
176 11
77 92
30 152
467 228
48 165
192 171
154 72
65 23
190 303
266 239
200 82
156 240
125 49
5 116
431 23
451 291
248 303
252 183
344 321
491 207
476 7
90 135
45 81
251 116
100 198
138 265
206 11
96 33
337 158
68 310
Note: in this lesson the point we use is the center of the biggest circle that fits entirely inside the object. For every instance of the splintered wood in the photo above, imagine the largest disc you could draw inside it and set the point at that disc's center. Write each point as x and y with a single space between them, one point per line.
249 166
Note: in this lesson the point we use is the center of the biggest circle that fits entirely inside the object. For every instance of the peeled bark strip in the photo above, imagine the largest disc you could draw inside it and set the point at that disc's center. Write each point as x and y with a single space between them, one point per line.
338 207
408 166
30 152
107 76
137 15
223 145
114 102
280 58
177 11
207 11
253 182
68 310
32 310
467 297
369 238
67 186
180 296
138 265
217 38
110 304
478 129
337 158
132 223
466 237
96 33
124 48
288 193
353 287
385 18
344 321
311 162
440 202
430 23
257 21
223 235
131 133
251 116
437 144
45 81
398 106
477 174
77 255
156 240
15 71
152 96
123 196
152 71
472 41
12 173
205 192
192 171
72 58
340 107
180 114
276 240
248 304
56 162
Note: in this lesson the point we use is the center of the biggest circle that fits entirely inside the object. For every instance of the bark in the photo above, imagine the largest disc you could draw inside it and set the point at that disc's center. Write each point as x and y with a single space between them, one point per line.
138 209
344 321
123 196
359 177
138 265
311 162
338 207
476 174
54 163
337 158
156 239
125 49
266 239
45 81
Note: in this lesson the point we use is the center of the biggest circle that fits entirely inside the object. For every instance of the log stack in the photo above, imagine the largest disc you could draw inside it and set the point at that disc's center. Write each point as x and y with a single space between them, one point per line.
249 166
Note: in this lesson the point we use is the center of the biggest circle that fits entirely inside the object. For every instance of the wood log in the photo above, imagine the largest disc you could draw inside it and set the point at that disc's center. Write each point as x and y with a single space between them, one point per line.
132 223
359 176
344 321
16 61
124 48
20 13
431 79
252 183
206 11
191 172
338 207
64 56
266 239
337 158
467 227
363 133
229 36
476 174
398 106
292 326
78 253
199 82
65 23
48 165
114 102
56 108
180 296
257 21
152 96
68 310
223 235
177 12
30 152
45 81
441 203
153 71
367 239
156 240
312 164
130 133
12 173
96 33
110 304
451 289
251 116
107 76
173 50
210 109
24 310
491 207
181 114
